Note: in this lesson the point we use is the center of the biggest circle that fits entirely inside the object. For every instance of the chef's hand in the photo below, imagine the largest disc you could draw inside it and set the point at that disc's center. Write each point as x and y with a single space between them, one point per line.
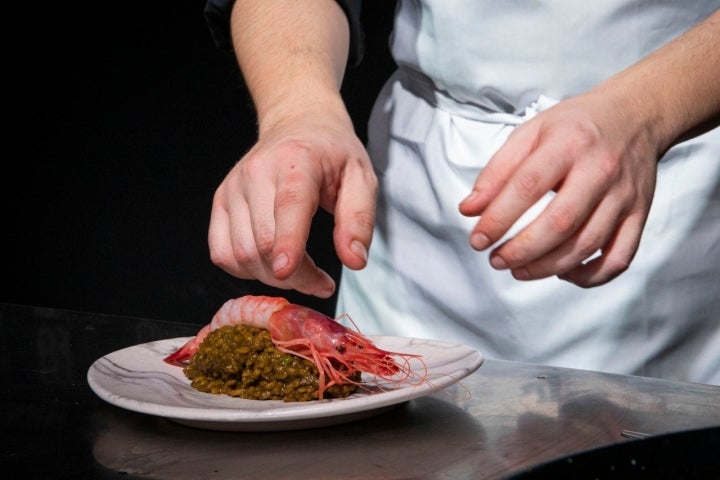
599 152
602 165
262 211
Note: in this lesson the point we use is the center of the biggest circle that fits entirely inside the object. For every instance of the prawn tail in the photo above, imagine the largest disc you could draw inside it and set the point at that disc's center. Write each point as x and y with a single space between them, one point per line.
183 354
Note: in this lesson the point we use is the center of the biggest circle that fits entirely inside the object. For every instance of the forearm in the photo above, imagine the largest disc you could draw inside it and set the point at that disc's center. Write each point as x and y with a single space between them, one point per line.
675 90
292 54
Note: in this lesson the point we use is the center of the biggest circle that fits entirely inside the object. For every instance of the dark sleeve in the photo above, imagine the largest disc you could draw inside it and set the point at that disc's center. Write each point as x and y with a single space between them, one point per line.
217 16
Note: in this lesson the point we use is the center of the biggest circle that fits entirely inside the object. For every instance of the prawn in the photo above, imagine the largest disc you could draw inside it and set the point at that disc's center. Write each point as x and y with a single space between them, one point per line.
337 351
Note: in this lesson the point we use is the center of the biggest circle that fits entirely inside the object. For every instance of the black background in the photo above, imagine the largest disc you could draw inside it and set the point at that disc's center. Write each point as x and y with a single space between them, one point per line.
122 119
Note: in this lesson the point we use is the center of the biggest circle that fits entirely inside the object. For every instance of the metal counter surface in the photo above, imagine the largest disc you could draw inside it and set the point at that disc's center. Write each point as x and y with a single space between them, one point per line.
505 419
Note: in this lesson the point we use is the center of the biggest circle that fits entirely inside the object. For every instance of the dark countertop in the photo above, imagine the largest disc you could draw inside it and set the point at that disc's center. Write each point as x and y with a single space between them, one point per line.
518 418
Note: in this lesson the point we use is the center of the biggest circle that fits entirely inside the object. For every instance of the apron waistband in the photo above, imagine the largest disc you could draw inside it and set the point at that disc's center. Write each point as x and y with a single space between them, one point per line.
423 87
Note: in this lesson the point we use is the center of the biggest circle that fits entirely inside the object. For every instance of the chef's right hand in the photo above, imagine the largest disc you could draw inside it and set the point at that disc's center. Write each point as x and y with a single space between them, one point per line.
263 210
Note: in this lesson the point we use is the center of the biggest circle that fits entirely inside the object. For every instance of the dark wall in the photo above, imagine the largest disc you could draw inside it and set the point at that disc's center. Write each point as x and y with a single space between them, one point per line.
124 118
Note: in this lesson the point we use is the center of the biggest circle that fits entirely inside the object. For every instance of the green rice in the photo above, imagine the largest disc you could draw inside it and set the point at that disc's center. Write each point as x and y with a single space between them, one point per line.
241 361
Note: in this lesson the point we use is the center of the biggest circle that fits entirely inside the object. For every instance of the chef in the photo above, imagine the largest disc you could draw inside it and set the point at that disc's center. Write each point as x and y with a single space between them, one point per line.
541 179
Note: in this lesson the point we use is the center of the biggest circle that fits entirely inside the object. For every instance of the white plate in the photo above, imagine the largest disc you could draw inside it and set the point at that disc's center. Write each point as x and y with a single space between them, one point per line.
137 379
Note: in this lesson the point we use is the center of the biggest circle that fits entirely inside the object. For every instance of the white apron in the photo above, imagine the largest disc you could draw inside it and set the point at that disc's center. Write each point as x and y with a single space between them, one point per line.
469 71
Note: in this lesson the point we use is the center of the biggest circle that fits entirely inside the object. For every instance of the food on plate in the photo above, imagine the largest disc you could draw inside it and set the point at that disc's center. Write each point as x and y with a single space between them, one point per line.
242 361
339 354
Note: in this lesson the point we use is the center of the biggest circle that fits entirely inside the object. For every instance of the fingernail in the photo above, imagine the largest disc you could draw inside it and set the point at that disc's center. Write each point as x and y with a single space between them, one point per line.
479 241
497 262
521 274
325 293
359 250
280 262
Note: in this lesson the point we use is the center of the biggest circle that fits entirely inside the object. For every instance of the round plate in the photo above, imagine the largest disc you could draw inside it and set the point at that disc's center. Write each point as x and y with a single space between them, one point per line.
136 378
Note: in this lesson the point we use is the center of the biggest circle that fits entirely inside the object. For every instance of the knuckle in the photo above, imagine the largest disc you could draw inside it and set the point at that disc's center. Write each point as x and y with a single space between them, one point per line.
264 242
290 148
518 249
609 166
364 220
293 190
296 147
220 257
586 138
288 196
492 226
527 185
232 260
585 133
588 244
290 151
243 255
253 164
563 219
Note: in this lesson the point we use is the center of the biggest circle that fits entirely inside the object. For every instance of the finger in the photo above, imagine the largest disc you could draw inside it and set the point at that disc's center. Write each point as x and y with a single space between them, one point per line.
243 260
259 194
586 242
533 179
218 234
295 204
308 279
230 248
498 171
615 258
355 216
558 222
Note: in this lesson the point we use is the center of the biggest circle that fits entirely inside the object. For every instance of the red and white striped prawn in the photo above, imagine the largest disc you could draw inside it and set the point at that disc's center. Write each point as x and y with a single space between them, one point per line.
336 350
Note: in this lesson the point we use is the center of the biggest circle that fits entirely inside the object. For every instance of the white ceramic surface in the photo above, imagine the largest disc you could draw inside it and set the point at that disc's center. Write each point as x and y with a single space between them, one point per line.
137 379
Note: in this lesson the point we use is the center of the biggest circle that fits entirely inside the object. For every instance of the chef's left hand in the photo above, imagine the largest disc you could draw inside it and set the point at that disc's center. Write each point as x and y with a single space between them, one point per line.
601 161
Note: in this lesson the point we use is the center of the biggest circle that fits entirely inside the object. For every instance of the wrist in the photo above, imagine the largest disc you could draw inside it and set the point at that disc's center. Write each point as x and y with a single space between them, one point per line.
286 112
